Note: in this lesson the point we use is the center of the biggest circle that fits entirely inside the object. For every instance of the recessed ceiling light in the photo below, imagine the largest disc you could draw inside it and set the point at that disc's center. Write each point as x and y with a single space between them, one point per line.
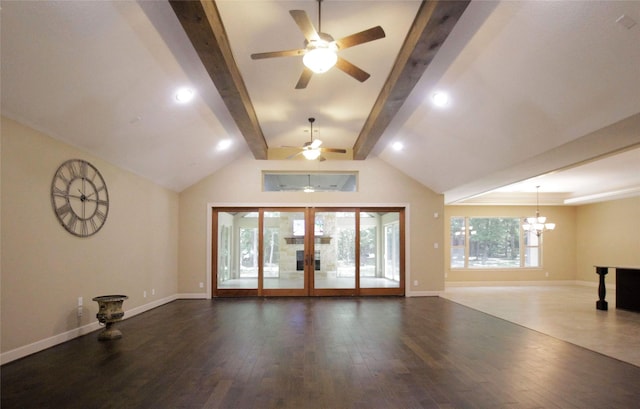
184 95
440 99
397 146
224 144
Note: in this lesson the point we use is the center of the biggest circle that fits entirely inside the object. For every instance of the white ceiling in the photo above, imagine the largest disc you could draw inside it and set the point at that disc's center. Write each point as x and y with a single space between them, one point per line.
535 87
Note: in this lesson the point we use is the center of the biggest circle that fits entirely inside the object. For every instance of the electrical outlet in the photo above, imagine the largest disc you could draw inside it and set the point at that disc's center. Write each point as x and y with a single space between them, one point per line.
415 283
79 308
153 291
201 285
436 245
546 274
144 294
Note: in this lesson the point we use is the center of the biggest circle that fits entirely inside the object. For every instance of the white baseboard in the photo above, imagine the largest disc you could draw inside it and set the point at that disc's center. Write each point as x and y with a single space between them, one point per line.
149 306
192 296
43 344
423 293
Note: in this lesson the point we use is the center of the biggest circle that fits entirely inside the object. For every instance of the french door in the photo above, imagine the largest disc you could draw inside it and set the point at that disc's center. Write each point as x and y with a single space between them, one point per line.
307 251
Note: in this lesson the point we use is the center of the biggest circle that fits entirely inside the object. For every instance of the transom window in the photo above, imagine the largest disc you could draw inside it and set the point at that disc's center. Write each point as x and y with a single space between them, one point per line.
492 243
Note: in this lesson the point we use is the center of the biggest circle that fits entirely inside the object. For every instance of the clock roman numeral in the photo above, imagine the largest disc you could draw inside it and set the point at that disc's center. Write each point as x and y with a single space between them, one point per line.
63 210
94 225
100 216
62 177
59 192
83 169
71 224
73 171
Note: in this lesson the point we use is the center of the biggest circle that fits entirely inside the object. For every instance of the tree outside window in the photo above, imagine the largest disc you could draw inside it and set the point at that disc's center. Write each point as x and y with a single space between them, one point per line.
492 242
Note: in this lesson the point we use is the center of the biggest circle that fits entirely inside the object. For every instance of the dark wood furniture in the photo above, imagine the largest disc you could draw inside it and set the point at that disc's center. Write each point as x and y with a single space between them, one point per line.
627 288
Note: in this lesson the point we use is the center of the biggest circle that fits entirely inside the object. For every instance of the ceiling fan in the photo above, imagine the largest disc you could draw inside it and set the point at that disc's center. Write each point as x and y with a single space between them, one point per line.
320 51
311 149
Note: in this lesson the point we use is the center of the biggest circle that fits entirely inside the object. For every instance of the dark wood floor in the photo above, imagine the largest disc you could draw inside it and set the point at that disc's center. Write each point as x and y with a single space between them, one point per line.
319 353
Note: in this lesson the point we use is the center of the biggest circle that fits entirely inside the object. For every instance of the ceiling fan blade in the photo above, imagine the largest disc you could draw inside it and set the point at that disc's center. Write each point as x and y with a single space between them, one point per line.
272 54
334 150
304 23
374 33
304 78
352 70
294 155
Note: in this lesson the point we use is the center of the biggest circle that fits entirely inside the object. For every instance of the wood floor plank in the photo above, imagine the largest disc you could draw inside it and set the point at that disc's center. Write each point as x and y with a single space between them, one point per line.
319 353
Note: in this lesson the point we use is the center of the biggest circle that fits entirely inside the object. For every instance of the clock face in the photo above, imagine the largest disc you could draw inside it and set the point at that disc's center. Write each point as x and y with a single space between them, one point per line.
79 198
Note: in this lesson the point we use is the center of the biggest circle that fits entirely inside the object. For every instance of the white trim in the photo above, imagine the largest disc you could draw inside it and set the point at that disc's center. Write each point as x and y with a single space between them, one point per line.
149 306
194 296
424 294
43 344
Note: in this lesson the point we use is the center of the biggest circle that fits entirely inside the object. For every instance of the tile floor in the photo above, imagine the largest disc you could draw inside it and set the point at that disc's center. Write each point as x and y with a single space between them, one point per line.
564 312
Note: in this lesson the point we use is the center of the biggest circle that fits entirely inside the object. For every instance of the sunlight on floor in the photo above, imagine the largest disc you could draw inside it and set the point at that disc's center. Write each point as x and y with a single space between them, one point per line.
564 312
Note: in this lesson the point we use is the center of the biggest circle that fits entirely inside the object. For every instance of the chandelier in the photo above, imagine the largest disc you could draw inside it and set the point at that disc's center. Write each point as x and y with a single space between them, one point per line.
537 224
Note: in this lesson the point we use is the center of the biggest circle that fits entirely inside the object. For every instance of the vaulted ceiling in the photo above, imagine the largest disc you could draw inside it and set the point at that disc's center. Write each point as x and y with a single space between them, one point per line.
535 89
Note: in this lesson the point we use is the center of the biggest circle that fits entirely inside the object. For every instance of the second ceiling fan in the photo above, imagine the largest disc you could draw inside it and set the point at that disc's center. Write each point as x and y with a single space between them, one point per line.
311 150
320 51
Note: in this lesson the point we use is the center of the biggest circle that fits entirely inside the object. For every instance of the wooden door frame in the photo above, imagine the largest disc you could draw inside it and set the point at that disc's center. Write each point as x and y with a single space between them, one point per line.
309 263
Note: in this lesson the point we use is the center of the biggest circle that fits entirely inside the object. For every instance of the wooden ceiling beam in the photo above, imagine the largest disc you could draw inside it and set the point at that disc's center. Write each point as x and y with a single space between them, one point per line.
433 24
202 22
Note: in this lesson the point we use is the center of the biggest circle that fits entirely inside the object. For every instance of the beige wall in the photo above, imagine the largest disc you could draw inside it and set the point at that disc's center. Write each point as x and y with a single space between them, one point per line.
240 184
155 239
559 245
608 234
45 269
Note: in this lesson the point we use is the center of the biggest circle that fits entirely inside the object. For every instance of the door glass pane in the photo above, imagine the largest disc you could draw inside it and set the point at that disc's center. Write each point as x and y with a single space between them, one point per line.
380 250
335 250
237 250
283 250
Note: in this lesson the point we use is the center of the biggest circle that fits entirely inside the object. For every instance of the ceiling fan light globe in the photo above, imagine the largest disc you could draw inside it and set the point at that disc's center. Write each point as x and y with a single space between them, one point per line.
321 57
311 154
316 143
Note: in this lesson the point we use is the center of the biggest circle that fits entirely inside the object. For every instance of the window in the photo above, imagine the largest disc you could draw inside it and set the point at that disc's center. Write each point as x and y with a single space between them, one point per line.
491 243
274 181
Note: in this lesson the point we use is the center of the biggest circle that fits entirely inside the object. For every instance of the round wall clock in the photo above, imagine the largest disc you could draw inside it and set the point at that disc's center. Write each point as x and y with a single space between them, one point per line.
79 197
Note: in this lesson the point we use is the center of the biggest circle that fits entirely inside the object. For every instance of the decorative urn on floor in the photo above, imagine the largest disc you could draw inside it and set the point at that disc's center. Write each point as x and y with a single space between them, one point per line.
110 311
